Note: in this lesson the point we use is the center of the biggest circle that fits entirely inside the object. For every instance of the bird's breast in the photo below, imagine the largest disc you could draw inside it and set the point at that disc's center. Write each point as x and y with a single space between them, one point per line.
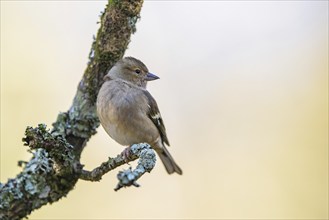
118 106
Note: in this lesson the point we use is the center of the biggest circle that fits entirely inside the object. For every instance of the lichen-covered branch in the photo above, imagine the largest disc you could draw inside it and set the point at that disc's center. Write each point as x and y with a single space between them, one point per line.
118 21
54 168
145 164
129 177
44 178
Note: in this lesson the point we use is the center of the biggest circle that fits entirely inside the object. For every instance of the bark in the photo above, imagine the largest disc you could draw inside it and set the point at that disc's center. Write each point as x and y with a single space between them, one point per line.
55 168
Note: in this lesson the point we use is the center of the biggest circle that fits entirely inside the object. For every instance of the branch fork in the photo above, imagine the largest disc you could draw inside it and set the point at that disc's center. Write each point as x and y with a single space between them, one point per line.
146 163
55 168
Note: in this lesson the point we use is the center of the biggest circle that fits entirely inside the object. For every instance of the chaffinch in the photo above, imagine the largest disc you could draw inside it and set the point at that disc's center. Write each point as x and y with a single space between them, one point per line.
129 113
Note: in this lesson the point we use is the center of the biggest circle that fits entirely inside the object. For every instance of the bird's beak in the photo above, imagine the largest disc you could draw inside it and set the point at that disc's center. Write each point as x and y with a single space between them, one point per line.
150 77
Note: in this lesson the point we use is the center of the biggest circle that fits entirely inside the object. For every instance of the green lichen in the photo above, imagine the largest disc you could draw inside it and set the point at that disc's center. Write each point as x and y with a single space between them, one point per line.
146 163
51 173
55 145
35 186
59 127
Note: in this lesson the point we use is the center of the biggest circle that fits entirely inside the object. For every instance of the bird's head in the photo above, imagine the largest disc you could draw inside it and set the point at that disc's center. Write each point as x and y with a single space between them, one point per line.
132 70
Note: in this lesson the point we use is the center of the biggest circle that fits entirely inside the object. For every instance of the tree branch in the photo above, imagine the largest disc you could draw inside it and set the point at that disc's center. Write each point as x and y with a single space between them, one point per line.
55 168
129 177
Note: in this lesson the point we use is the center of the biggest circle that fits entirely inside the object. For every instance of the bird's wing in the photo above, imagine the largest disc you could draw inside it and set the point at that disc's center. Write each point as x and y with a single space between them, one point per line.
155 116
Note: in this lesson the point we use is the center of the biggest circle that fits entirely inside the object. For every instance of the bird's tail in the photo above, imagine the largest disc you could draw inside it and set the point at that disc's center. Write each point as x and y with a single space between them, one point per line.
168 161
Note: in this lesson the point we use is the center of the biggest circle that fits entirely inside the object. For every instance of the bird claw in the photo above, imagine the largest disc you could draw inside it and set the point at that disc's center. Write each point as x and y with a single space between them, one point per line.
126 154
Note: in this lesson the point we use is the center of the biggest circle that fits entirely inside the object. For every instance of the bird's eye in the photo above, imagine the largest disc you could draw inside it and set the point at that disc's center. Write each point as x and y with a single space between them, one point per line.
138 71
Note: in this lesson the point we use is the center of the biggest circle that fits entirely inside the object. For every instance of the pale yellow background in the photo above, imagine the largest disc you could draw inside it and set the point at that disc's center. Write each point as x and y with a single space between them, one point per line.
243 93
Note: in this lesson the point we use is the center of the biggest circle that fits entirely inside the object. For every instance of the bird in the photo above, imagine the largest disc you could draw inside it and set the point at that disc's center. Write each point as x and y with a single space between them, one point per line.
128 112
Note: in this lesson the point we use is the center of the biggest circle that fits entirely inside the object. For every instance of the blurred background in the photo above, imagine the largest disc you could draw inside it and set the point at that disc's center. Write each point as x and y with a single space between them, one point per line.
243 93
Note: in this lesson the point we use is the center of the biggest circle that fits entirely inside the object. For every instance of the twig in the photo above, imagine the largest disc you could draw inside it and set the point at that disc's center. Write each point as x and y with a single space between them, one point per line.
52 172
128 177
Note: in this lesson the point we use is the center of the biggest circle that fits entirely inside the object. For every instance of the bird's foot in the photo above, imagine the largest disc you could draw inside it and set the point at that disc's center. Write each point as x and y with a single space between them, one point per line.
126 154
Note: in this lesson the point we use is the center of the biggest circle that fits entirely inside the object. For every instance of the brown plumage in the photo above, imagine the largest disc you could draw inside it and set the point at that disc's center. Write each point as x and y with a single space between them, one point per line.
129 113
